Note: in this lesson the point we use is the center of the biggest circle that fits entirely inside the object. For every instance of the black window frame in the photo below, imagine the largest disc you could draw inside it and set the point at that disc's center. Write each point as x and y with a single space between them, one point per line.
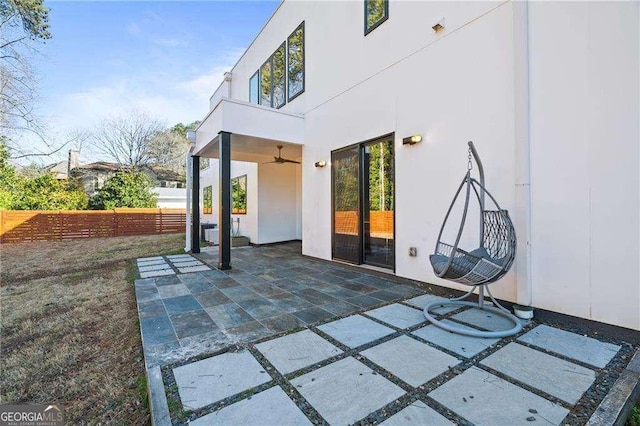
207 200
304 73
270 62
234 209
257 75
377 24
283 46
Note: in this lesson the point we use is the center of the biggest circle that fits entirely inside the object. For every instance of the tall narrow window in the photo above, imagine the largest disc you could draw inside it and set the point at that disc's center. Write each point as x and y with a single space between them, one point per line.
207 200
279 77
265 84
295 64
254 88
375 13
239 195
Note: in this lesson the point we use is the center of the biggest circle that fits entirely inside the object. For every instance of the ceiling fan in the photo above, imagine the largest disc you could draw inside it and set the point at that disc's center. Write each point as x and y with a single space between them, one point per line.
279 159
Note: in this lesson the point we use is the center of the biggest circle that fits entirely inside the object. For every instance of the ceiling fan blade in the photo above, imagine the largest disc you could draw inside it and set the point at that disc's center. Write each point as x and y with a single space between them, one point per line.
284 160
270 162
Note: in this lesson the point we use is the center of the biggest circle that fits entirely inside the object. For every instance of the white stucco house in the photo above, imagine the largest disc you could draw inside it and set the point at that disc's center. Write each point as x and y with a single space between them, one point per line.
547 91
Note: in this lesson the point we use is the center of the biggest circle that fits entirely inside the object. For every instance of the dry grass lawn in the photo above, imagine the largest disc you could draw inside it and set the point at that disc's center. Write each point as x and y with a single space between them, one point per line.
69 329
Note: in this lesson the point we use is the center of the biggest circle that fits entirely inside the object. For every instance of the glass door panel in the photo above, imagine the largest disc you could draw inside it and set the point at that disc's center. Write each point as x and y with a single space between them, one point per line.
378 203
346 204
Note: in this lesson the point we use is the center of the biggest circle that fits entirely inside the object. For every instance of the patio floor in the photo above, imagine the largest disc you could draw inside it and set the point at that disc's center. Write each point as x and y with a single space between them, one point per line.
283 339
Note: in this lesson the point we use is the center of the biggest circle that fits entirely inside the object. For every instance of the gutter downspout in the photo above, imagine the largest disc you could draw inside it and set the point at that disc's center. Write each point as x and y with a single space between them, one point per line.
191 135
522 108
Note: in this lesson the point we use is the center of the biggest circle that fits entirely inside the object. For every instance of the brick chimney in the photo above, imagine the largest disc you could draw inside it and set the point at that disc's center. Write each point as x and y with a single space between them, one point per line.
74 154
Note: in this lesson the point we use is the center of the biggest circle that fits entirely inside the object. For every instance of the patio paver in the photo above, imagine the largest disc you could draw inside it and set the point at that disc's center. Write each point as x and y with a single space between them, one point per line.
188 269
159 273
411 361
484 319
483 398
418 413
346 391
295 351
421 301
355 330
204 382
555 376
397 315
581 348
269 408
466 346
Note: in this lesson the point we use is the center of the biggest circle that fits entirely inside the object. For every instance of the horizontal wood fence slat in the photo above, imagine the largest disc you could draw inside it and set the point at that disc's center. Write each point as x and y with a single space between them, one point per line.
38 225
381 223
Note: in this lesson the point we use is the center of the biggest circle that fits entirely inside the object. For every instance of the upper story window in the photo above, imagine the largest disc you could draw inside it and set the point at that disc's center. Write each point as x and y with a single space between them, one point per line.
295 63
375 13
272 79
265 84
279 73
254 88
281 77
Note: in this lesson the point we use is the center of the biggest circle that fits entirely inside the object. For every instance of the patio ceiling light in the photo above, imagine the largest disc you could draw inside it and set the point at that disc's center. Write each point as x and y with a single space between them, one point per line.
321 163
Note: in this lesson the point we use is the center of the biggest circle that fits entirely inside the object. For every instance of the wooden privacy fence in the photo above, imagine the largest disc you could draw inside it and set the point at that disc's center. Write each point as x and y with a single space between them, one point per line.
37 225
381 223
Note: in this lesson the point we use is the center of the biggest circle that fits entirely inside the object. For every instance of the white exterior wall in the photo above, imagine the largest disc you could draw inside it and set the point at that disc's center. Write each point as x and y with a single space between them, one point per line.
273 208
584 72
277 200
569 106
249 221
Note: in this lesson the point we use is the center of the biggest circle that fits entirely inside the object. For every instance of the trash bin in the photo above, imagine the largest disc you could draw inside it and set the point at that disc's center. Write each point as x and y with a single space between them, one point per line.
204 227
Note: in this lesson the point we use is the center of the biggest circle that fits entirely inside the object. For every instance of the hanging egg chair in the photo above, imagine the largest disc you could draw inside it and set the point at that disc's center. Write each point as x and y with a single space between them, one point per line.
479 267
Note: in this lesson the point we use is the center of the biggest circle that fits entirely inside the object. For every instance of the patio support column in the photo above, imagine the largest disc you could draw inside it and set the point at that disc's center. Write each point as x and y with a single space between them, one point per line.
195 204
224 200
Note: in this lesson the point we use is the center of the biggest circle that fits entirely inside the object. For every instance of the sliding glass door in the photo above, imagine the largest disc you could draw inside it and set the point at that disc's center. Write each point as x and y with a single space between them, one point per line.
364 204
346 204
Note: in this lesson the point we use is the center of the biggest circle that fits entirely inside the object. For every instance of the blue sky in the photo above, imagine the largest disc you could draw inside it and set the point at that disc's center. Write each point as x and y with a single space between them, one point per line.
165 58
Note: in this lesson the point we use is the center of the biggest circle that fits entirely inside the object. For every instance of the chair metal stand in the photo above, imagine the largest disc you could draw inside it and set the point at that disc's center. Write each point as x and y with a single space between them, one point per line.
459 301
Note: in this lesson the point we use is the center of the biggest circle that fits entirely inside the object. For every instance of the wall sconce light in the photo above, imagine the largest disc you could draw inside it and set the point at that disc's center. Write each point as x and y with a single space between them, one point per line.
321 163
412 140
438 26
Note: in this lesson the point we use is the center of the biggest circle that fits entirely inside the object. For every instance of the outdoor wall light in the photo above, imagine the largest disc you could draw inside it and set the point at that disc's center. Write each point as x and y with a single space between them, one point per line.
412 140
321 163
438 25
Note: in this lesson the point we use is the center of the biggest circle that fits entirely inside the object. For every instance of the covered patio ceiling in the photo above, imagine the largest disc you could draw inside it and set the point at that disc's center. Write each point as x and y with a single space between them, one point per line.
253 149
255 131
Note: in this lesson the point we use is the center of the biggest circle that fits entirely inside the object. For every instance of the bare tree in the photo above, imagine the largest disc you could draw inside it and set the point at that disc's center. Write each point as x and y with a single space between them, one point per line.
168 149
127 139
23 24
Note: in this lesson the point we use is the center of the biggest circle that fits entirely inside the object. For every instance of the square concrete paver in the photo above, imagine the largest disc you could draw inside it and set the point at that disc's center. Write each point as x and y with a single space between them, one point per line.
552 375
422 301
398 315
483 398
174 290
157 267
193 269
270 407
418 413
296 351
581 348
466 346
411 361
149 259
179 257
160 273
484 319
187 263
204 382
355 330
346 391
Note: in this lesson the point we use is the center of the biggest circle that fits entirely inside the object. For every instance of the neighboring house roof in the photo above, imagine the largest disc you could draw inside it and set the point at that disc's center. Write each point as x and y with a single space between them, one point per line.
160 173
59 170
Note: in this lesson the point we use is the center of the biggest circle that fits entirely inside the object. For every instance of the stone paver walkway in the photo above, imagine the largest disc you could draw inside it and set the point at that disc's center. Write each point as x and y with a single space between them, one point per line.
296 341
